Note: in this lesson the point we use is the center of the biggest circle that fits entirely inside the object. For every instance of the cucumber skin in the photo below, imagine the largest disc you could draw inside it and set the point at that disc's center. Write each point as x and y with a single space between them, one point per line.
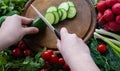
39 23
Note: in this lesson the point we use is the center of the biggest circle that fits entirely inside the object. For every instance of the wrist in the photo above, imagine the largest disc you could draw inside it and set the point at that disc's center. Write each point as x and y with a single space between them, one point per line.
6 41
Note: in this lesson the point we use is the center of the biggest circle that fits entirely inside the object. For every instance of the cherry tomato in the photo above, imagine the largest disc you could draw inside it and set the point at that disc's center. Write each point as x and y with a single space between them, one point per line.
21 45
47 54
61 61
102 48
17 52
27 52
66 67
54 59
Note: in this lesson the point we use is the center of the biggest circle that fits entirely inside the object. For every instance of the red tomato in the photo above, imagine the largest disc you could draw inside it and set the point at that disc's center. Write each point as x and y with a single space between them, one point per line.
67 68
61 61
27 52
21 45
102 48
54 59
50 52
17 52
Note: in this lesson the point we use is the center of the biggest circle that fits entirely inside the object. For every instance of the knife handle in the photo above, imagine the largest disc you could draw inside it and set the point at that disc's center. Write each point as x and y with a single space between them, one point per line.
57 34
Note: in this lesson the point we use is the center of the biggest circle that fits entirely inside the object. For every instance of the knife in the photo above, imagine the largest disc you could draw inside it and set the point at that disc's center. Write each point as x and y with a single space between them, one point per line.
47 22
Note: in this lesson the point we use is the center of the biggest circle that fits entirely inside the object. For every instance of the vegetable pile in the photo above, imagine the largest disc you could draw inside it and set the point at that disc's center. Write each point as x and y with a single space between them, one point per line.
109 14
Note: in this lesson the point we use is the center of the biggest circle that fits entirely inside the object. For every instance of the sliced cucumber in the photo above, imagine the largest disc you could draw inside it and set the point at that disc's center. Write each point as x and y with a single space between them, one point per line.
60 13
39 23
51 9
64 5
56 17
71 12
50 17
70 3
64 14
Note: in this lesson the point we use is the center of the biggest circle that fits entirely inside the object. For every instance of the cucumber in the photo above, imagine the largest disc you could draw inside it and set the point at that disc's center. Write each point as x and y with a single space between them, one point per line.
60 13
70 3
71 12
56 17
64 5
12 13
50 17
64 14
39 23
2 19
51 9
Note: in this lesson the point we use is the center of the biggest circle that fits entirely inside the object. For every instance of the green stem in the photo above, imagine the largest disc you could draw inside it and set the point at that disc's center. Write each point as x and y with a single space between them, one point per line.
104 32
114 47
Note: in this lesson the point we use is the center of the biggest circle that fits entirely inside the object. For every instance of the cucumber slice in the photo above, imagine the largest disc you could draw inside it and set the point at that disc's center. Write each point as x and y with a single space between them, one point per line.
39 23
56 17
64 14
60 13
64 5
70 3
50 17
71 12
51 9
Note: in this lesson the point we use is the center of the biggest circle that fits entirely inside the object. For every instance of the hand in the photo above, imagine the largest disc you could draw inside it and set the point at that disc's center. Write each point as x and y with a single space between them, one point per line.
75 52
70 44
15 27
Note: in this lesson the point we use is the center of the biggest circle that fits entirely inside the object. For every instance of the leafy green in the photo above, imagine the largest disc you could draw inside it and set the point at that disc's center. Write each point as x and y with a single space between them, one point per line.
106 62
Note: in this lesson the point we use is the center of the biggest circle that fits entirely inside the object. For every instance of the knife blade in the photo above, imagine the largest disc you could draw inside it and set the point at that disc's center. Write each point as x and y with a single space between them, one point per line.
47 22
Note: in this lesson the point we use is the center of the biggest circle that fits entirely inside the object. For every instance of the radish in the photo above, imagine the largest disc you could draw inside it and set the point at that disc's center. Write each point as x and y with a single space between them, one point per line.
101 6
116 8
99 15
108 15
106 27
110 3
119 1
114 27
118 19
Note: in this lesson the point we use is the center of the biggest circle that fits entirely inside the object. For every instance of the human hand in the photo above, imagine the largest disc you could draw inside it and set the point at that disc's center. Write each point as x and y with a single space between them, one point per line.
70 44
15 27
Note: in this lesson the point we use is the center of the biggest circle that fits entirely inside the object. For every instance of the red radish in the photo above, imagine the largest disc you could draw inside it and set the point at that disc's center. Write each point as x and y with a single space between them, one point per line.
99 15
119 1
110 3
108 15
118 19
67 68
114 27
106 27
101 6
27 52
116 8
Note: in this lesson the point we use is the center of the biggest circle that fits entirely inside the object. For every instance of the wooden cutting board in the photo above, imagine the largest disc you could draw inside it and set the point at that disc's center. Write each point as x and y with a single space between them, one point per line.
83 24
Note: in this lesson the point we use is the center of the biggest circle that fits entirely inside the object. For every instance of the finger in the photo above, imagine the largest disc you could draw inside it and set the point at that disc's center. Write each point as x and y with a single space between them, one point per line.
30 30
25 20
63 33
58 43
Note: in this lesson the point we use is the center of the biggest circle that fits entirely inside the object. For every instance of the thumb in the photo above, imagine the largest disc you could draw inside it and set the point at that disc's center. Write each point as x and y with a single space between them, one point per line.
30 30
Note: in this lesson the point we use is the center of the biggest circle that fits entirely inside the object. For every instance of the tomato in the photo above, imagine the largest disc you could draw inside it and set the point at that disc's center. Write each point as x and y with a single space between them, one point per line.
47 54
21 45
16 52
66 67
102 48
61 61
54 59
27 52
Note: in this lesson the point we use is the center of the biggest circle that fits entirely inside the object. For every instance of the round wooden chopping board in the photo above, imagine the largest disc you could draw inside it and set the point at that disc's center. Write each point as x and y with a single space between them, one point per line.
83 24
